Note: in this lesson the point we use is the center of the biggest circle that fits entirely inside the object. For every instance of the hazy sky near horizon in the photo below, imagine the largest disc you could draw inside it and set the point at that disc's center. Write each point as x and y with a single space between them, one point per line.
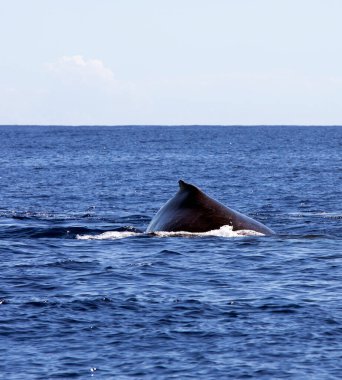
170 62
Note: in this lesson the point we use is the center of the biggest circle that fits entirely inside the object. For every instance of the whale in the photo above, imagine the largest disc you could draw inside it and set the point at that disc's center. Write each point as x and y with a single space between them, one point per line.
191 210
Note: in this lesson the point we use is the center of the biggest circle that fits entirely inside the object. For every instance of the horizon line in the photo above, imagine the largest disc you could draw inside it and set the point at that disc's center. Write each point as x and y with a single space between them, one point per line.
170 125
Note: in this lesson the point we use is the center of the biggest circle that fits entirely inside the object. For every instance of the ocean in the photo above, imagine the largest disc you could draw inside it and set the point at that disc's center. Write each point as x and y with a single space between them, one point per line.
85 293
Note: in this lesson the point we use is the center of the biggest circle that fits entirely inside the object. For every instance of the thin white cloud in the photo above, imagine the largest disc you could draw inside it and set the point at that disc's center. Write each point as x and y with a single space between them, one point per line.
76 68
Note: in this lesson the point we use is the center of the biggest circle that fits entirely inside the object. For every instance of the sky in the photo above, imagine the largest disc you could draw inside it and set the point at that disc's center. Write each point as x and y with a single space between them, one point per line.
173 62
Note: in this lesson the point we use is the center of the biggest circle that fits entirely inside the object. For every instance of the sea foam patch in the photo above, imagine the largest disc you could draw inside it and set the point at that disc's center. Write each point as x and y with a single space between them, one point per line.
224 231
109 235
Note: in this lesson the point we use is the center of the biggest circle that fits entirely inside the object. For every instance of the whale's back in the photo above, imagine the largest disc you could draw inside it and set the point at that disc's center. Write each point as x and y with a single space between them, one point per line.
192 210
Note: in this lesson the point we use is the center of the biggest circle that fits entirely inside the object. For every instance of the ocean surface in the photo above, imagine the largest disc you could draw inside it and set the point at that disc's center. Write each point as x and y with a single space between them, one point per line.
85 293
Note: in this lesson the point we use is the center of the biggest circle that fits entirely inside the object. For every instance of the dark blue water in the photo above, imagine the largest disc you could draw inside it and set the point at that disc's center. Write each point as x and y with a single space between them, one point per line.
84 294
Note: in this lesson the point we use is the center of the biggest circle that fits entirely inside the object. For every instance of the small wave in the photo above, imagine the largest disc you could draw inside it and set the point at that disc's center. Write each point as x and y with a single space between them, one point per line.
45 216
37 232
322 214
167 252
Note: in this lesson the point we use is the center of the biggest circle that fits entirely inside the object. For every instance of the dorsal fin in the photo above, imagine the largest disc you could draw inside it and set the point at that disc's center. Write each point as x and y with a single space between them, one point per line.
186 186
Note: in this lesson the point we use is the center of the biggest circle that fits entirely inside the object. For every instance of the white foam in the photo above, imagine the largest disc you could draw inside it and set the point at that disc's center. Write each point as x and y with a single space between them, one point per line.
109 235
224 231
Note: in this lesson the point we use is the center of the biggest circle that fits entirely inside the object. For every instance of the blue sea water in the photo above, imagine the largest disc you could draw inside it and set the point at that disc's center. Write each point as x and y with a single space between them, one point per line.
84 294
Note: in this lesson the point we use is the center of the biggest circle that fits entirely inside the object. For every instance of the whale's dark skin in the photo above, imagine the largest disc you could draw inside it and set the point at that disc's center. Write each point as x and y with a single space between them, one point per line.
191 210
